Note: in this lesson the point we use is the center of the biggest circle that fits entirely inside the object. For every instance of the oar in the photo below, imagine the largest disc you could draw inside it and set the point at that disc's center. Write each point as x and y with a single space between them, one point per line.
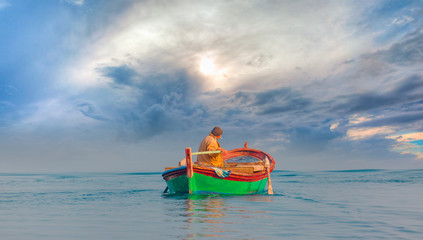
206 152
269 181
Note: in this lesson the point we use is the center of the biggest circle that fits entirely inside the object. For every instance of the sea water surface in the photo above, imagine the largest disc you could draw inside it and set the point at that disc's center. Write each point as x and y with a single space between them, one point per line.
357 204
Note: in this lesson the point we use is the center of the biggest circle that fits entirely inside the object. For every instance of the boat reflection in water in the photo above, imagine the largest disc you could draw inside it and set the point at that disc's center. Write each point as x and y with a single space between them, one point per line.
217 216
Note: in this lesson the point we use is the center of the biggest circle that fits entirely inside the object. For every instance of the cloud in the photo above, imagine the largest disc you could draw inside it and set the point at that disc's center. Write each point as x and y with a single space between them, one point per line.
408 51
247 41
153 121
280 100
408 137
89 110
172 89
357 119
320 82
410 143
273 101
310 140
121 75
363 133
405 92
403 20
378 68
75 2
159 102
396 120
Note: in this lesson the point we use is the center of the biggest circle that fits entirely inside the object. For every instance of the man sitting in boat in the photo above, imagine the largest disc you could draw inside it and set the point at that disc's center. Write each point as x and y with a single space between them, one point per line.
210 143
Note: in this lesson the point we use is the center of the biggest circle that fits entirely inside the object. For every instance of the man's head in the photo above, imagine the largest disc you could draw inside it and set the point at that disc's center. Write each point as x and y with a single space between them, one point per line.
217 131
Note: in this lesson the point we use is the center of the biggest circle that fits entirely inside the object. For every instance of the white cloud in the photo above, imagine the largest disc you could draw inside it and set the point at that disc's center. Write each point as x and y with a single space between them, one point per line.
75 2
250 41
401 21
408 137
334 126
409 143
363 133
357 119
409 148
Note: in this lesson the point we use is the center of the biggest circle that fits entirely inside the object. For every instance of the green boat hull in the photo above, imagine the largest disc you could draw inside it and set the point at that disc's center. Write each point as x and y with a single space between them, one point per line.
201 184
178 185
244 178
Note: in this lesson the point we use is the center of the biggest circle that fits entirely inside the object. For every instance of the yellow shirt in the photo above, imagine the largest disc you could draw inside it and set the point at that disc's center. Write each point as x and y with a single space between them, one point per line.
210 143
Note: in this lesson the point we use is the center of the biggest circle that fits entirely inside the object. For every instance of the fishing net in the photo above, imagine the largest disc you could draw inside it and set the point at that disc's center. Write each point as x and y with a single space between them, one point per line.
242 159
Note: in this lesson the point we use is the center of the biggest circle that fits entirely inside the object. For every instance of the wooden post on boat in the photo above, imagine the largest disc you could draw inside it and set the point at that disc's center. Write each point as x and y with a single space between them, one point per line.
190 172
189 162
269 182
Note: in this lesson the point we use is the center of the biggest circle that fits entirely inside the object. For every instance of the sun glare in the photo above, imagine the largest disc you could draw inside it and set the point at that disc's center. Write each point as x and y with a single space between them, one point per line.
207 66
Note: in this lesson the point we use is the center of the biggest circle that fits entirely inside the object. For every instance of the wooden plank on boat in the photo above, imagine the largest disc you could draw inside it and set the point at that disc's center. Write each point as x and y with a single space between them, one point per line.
235 164
258 168
248 170
252 163
238 169
245 169
168 168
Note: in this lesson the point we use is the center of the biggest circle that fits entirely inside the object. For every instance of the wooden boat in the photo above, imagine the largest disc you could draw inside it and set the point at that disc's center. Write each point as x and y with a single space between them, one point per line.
249 177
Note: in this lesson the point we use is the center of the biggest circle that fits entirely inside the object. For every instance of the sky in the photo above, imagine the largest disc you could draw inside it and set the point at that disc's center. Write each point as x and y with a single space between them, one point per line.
126 86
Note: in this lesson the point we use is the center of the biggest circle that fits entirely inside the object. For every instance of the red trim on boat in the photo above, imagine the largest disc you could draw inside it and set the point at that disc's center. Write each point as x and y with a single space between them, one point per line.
242 177
249 152
234 176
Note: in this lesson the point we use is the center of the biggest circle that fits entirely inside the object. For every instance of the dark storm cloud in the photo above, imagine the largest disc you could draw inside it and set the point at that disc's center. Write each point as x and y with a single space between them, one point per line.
274 101
408 51
405 52
89 110
309 140
400 120
170 90
121 75
296 104
411 89
145 124
164 102
399 106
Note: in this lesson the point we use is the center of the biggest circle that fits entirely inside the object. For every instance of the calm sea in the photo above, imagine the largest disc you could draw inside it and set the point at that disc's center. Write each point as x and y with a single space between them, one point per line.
361 204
